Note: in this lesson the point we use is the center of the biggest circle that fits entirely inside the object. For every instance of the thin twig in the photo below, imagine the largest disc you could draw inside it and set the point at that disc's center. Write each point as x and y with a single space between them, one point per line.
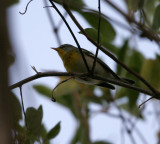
129 131
70 30
145 17
147 31
110 54
83 115
144 102
22 13
55 29
53 98
98 37
116 22
133 126
61 21
25 118
34 68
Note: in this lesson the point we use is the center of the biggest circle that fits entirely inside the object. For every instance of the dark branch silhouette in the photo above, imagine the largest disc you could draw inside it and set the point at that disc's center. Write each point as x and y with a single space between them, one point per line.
22 13
112 81
98 36
70 30
111 55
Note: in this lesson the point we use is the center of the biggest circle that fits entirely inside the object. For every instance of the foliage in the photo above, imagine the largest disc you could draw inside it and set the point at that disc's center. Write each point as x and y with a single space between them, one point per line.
77 97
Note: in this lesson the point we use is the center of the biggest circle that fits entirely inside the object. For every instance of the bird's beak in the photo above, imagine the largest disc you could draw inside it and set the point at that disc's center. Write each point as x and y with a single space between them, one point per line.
56 49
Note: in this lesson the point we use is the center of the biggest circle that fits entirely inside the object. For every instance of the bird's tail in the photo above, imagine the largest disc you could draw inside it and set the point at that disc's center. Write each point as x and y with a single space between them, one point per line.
129 81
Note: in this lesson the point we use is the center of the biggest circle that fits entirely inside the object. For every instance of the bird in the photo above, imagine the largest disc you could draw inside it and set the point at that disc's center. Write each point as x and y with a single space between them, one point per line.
74 63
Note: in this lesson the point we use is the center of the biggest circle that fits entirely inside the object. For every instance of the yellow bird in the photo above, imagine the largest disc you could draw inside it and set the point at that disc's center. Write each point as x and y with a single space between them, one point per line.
73 62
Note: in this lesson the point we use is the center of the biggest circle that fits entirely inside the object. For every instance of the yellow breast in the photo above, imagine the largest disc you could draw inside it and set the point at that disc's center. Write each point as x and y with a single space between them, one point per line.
71 61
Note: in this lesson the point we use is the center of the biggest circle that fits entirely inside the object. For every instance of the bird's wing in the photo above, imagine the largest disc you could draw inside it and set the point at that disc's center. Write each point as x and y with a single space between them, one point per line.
105 85
105 66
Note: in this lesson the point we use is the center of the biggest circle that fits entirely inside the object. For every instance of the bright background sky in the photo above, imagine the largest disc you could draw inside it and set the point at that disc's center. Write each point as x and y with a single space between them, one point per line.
32 36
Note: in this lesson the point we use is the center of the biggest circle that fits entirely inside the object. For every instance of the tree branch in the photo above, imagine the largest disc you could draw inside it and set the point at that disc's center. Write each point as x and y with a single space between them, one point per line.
98 37
110 54
70 30
79 75
55 29
147 31
25 118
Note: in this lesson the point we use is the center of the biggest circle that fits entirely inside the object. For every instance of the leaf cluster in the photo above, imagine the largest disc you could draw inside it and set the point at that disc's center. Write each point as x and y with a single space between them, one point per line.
77 97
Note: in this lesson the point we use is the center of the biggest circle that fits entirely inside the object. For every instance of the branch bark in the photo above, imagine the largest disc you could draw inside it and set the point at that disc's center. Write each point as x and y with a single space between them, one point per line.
74 75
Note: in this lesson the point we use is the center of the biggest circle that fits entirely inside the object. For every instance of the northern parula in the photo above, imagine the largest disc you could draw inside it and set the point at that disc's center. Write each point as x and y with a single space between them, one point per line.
73 62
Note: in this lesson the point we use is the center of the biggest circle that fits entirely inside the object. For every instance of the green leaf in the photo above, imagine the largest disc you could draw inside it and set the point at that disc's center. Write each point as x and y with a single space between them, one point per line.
42 89
149 7
93 33
141 4
72 4
134 61
69 102
133 5
158 57
135 111
156 19
83 138
76 137
16 110
106 28
93 99
122 56
34 118
53 132
130 94
63 93
12 2
101 142
151 72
